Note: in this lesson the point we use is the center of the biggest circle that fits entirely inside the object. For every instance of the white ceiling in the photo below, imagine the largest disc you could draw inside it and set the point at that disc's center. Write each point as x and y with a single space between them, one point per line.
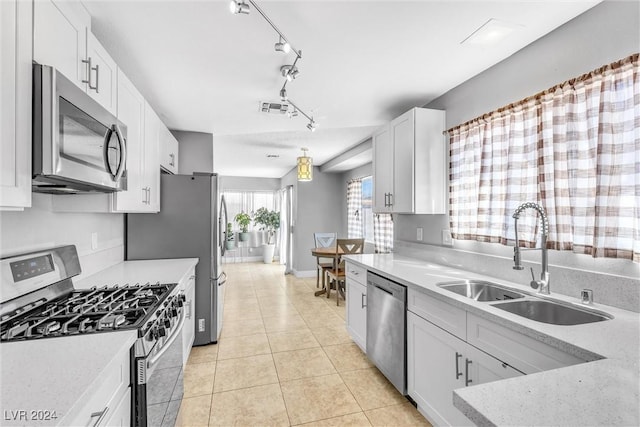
364 62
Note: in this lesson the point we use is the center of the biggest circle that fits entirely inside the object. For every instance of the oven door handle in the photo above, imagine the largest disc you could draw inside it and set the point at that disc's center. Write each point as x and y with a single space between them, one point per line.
176 333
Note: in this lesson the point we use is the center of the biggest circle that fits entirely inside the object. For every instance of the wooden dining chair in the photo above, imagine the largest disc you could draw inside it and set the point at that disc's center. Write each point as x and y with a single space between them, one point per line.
337 273
323 240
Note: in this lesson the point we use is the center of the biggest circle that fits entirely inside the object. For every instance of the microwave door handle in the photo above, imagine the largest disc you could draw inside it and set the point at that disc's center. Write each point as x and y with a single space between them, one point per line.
105 153
123 153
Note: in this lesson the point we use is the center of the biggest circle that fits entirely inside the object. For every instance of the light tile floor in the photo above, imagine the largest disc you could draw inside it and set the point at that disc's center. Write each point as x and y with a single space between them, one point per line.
285 359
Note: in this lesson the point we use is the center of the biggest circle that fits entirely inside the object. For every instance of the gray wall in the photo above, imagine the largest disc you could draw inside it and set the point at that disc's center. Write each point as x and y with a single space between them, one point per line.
249 184
196 152
604 34
317 207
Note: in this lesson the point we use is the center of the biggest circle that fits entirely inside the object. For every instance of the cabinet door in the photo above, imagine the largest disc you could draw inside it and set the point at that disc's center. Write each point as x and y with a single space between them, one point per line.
131 112
435 367
402 133
169 152
382 169
189 328
120 416
15 104
102 75
152 137
60 38
482 368
357 313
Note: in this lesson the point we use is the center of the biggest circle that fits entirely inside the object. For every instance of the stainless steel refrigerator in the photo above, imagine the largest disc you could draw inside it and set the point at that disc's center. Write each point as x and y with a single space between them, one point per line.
191 224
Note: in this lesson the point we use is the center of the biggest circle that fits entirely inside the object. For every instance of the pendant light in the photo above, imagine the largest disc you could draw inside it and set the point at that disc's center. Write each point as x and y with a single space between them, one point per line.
305 166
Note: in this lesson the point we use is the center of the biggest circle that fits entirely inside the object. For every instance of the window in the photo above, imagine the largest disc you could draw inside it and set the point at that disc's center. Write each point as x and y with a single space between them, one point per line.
376 229
248 202
574 149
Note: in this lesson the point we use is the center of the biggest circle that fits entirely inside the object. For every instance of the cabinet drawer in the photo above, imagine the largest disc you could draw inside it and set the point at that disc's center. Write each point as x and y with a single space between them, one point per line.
451 319
105 392
356 273
520 351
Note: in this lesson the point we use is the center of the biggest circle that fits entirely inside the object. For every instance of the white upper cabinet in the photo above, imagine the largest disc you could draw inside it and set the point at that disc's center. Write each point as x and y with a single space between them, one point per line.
169 152
62 39
153 129
103 74
409 164
15 104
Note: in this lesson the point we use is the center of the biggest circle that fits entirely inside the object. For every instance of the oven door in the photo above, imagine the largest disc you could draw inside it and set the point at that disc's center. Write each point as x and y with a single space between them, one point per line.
76 140
159 380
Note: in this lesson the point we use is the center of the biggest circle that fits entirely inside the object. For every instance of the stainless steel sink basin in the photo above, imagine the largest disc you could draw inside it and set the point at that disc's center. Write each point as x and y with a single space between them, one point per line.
551 312
480 290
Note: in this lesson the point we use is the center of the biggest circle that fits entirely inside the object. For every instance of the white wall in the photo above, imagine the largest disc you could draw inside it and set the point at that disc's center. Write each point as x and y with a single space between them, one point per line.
39 227
604 34
239 183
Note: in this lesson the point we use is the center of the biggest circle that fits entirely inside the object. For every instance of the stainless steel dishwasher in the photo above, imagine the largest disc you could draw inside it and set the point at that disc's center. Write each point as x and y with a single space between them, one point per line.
387 329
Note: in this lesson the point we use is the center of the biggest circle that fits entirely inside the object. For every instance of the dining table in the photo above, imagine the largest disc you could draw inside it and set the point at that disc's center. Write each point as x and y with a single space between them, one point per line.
327 252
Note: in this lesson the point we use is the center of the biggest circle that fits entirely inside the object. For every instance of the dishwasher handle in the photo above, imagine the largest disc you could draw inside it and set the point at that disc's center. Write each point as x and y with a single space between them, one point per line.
396 290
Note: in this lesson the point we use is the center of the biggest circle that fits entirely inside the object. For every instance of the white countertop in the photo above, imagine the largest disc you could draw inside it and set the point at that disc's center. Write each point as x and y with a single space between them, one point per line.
601 392
52 374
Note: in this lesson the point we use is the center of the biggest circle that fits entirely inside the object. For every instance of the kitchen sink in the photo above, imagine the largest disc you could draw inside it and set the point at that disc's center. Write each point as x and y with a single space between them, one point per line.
481 290
551 312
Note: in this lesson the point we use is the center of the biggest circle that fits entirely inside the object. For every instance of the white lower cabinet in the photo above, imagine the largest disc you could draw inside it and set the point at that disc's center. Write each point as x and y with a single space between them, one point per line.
356 301
189 328
109 399
438 363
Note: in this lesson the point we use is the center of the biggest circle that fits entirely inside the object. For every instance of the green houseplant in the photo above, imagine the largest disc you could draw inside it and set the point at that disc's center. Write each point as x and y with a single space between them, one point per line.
229 237
243 220
269 221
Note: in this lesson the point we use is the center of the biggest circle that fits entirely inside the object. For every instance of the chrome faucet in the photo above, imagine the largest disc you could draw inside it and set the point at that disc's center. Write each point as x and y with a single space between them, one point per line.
543 284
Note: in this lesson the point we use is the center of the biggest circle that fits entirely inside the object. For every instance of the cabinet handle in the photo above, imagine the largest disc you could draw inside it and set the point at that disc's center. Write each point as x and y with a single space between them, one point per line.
386 200
89 68
148 195
144 197
362 303
390 199
173 159
97 86
467 380
100 415
458 374
189 307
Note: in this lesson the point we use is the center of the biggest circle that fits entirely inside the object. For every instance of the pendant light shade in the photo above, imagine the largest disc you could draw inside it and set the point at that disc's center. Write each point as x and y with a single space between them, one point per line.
305 167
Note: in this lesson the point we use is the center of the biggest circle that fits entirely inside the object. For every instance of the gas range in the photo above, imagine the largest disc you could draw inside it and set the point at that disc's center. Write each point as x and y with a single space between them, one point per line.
87 311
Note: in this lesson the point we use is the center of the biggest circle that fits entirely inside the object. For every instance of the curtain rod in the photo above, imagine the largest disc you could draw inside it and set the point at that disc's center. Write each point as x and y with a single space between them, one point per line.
614 65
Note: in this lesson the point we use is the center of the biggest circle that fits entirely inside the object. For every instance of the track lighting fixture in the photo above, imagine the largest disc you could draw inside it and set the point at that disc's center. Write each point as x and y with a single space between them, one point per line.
289 72
239 6
283 47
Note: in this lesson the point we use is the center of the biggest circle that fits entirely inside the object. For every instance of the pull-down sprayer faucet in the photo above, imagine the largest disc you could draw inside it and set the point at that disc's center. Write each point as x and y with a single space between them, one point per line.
543 283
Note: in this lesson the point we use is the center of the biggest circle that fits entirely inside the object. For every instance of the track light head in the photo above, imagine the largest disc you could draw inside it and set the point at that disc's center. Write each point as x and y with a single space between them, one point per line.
289 72
312 126
292 113
283 95
282 47
238 7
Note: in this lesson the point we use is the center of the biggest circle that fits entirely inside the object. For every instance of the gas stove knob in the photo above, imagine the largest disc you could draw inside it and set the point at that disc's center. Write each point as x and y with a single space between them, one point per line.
174 312
167 323
162 331
181 301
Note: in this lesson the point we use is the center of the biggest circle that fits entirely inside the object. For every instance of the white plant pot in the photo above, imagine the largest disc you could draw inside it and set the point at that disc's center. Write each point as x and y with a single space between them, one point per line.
267 253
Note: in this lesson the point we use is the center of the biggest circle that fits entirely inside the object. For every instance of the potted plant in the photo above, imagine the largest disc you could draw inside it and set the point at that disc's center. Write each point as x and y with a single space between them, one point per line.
243 220
270 222
229 243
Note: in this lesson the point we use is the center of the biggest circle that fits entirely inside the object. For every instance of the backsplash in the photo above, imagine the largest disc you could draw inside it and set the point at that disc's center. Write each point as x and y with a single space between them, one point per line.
614 282
39 227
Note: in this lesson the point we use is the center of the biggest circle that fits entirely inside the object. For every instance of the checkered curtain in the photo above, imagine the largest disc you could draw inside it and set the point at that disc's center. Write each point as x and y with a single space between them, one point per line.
383 233
354 209
574 148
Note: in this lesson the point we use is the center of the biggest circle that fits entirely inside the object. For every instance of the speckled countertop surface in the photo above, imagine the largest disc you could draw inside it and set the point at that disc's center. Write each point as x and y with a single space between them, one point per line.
600 392
53 374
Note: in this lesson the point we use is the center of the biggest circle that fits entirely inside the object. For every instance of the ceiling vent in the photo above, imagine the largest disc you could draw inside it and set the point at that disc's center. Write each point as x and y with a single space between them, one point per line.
274 107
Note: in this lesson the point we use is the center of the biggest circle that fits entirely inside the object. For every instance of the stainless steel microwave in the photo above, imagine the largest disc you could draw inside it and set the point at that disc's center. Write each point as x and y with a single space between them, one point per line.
78 146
